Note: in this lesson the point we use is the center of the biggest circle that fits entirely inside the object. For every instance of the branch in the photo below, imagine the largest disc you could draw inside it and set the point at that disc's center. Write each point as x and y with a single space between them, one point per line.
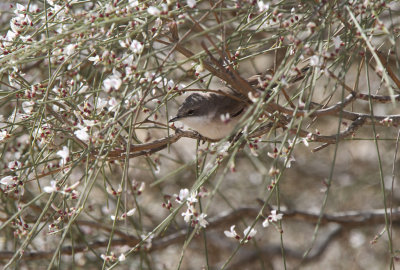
347 220
269 251
352 128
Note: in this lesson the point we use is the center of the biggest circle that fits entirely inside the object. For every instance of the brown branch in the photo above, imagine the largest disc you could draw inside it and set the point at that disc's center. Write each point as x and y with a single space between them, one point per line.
232 78
377 120
366 97
347 220
389 70
152 147
333 110
378 98
336 110
237 83
141 149
350 130
175 35
148 148
268 251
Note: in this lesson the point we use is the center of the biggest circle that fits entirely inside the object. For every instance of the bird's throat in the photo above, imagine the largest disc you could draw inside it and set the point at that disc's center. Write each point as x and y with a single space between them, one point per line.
212 128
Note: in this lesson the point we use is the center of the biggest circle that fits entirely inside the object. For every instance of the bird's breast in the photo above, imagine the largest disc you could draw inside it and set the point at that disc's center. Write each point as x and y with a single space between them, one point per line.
211 128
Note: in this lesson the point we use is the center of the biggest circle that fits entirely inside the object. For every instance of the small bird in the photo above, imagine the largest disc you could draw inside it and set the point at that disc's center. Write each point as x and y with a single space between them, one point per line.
214 116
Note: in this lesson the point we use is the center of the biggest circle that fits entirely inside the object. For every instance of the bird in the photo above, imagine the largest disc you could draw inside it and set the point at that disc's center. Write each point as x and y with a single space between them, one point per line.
214 116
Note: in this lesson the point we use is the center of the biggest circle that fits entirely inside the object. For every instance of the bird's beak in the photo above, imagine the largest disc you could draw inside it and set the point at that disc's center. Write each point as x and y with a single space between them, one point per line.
176 118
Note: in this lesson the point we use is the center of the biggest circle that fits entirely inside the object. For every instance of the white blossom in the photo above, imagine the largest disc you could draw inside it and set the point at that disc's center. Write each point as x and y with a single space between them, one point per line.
70 49
262 6
187 215
191 3
72 187
124 43
51 188
289 160
305 141
100 104
183 194
232 233
64 154
131 212
112 82
272 155
314 61
274 217
202 220
154 11
253 151
337 42
170 84
136 47
121 257
89 123
82 134
249 232
109 8
133 3
34 8
27 106
20 23
7 180
193 197
311 27
128 60
19 9
14 165
265 223
164 7
96 59
10 36
148 240
113 104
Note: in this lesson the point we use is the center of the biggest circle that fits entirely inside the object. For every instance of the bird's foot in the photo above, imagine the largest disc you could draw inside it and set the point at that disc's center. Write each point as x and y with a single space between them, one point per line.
200 137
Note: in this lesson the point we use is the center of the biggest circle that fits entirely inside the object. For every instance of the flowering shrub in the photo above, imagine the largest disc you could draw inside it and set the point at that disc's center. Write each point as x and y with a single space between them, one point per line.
90 162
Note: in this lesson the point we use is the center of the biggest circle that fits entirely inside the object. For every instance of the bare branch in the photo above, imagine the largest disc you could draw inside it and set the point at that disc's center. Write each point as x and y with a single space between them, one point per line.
350 219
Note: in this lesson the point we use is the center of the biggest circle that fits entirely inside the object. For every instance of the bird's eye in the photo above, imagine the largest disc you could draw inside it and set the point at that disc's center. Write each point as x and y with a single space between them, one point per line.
190 112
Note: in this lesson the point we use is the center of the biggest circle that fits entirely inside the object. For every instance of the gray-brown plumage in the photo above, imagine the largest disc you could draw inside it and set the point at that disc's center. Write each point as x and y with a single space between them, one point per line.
216 115
212 115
